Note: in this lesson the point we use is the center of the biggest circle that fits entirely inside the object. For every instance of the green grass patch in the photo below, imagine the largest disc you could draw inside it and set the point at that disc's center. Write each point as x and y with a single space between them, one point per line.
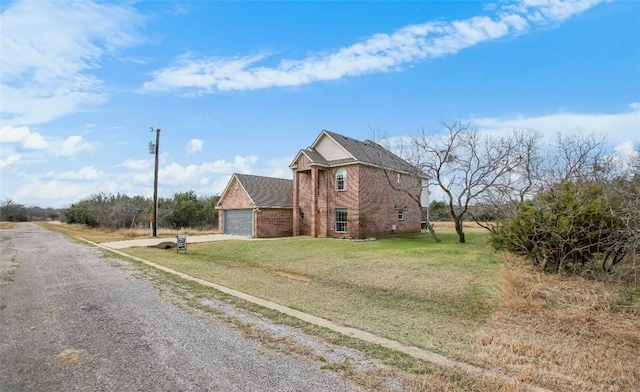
410 289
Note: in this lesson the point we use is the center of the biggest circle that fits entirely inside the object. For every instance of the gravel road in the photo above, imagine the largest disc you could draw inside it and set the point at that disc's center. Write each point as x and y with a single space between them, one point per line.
70 319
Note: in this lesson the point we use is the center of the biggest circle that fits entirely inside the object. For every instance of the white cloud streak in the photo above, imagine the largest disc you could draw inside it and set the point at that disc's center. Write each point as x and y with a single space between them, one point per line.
9 160
194 145
28 140
87 173
48 51
176 174
135 164
191 74
24 137
71 146
617 127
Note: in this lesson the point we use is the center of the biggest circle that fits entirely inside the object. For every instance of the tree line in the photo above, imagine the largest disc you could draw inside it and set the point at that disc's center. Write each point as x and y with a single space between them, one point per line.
10 211
184 209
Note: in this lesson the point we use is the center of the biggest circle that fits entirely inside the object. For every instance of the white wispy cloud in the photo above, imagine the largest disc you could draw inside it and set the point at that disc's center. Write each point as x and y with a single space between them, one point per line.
87 173
176 174
71 146
616 127
24 137
135 164
193 74
194 145
48 51
9 160
60 193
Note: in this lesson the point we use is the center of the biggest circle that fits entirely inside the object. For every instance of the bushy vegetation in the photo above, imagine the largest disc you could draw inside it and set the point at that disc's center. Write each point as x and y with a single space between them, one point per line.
577 222
564 227
184 209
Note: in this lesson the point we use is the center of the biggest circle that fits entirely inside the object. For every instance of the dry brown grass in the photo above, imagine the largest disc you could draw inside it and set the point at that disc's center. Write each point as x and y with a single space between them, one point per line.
451 225
103 235
562 333
7 225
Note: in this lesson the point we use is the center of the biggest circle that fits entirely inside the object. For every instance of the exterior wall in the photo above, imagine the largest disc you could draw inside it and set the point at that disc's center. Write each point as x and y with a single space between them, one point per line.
343 199
371 202
233 199
273 222
379 203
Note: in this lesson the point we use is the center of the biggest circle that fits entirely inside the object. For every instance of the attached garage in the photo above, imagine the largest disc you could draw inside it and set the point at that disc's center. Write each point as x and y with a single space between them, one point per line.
238 222
256 206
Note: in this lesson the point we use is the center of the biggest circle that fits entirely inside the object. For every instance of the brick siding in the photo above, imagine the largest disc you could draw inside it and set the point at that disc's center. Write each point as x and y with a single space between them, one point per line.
273 222
379 203
372 203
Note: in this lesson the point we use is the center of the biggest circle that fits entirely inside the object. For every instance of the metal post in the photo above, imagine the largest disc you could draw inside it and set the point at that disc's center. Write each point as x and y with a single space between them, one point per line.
154 230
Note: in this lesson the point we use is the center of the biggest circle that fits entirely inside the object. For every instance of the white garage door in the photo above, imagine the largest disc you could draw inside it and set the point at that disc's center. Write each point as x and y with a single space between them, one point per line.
239 222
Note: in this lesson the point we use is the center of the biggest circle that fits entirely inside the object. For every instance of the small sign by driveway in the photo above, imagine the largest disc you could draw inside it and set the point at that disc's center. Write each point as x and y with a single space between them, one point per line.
181 241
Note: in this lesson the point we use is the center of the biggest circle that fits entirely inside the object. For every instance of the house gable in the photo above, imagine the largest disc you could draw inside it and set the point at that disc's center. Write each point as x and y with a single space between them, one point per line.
330 149
235 196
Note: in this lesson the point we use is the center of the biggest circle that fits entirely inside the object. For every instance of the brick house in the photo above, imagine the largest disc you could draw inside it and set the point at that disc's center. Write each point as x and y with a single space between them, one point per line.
256 206
341 187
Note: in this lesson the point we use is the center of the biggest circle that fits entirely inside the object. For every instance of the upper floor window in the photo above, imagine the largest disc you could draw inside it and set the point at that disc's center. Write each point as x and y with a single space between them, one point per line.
401 214
341 179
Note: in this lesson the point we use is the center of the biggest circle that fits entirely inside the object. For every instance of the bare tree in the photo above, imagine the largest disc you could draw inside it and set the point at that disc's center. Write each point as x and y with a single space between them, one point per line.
626 191
470 167
575 158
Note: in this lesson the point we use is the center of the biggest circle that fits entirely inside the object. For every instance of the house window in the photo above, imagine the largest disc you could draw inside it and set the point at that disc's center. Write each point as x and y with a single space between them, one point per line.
341 220
341 179
400 214
399 179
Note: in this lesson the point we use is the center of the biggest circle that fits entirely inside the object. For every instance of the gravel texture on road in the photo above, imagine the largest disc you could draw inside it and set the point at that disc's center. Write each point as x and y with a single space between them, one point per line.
71 319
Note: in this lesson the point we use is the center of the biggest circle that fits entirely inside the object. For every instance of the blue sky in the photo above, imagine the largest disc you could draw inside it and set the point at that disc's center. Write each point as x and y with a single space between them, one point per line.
243 86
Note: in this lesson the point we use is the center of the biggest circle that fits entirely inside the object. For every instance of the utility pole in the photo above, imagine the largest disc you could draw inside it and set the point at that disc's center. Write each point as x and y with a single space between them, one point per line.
155 149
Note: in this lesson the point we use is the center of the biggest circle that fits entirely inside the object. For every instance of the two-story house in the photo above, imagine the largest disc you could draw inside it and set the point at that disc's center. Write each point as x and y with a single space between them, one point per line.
341 187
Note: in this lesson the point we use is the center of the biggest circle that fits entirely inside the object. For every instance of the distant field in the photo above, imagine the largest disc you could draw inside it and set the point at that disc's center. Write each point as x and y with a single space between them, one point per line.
451 225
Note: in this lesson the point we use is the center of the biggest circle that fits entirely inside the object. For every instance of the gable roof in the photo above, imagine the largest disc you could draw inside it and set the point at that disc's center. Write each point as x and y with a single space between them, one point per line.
365 152
265 191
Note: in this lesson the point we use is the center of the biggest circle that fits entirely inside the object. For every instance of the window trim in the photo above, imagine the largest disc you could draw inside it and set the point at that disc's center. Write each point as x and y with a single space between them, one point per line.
401 214
344 222
341 177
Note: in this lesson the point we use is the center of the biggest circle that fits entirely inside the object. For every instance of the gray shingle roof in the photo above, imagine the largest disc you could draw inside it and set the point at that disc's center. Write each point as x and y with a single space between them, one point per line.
370 152
315 157
268 191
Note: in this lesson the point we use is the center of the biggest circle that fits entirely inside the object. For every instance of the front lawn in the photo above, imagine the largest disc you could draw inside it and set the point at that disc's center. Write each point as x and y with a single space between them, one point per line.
410 289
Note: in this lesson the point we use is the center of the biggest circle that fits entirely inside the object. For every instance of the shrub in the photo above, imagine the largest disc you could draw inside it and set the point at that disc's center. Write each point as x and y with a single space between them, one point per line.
564 228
